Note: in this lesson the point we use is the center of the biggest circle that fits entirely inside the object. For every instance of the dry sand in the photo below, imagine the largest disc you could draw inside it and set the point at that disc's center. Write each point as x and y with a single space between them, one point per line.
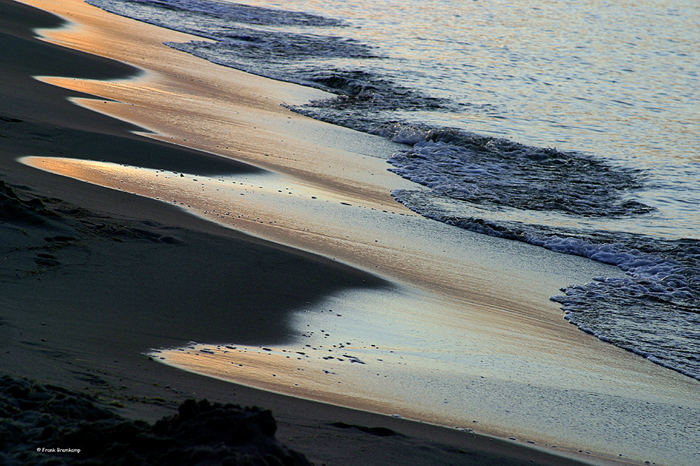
133 274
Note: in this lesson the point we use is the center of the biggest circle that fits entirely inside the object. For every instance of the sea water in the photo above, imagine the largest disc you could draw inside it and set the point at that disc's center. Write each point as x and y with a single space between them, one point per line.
568 125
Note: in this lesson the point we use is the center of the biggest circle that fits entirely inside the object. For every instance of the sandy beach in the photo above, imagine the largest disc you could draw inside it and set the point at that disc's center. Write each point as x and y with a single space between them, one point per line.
158 207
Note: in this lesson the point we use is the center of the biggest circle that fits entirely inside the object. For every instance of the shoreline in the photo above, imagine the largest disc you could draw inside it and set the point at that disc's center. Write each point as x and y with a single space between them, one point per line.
90 342
337 185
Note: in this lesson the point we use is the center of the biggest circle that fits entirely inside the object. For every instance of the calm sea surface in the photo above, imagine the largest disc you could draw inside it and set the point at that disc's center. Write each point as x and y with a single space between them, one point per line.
570 125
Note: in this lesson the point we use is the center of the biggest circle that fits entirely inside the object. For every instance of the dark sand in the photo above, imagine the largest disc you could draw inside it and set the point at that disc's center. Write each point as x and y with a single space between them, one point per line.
91 278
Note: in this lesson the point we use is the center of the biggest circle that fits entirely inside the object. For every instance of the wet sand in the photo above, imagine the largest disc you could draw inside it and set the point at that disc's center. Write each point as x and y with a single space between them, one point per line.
151 300
93 278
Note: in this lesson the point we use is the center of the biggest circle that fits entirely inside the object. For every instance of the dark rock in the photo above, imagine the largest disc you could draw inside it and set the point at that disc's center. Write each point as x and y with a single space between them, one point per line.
34 416
378 431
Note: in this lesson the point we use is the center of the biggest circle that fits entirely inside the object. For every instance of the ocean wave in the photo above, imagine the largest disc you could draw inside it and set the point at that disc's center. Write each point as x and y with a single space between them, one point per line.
151 11
653 310
498 172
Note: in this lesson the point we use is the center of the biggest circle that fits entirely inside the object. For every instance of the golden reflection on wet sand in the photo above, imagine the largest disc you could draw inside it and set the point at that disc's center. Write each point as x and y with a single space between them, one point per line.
447 344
